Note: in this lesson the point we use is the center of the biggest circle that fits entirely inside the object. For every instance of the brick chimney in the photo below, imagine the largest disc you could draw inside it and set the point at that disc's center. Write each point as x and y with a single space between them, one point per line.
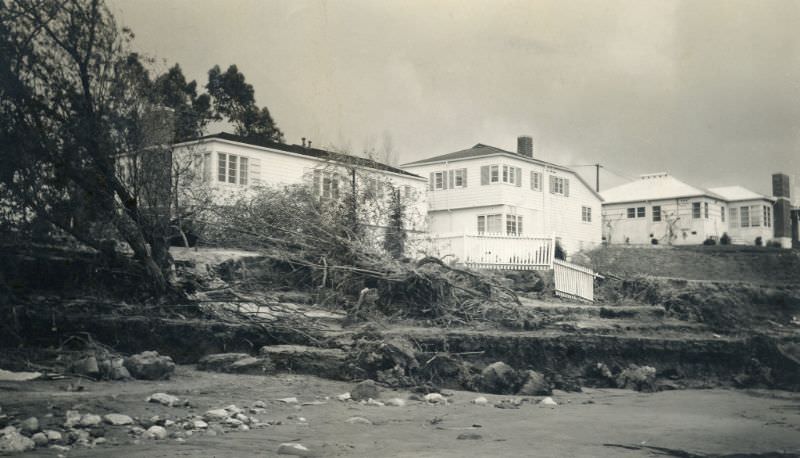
525 146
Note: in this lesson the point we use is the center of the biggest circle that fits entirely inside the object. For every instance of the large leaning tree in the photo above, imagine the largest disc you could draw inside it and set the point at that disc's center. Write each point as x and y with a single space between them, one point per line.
71 104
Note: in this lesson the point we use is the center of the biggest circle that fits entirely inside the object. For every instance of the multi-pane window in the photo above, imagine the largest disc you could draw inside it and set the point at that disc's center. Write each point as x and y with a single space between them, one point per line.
696 210
494 172
722 213
586 214
734 217
705 205
232 169
491 224
408 191
767 216
656 213
438 180
536 181
632 212
513 225
744 213
557 185
326 184
640 212
374 189
459 178
755 216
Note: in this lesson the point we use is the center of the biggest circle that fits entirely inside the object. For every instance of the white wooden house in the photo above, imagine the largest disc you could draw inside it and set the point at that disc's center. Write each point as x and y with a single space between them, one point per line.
231 165
484 192
660 207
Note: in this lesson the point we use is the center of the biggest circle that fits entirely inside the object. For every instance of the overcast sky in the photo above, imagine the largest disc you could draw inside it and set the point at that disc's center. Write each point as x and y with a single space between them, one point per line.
706 90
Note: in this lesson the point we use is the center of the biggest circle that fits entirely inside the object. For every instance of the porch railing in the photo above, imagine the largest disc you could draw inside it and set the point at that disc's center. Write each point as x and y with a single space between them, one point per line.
490 251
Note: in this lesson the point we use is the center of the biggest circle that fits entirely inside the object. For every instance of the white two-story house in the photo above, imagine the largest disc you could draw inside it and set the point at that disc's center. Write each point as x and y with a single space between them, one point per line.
230 165
660 209
488 190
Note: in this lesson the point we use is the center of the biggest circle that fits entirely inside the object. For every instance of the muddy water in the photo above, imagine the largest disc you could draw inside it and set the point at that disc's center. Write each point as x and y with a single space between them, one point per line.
583 424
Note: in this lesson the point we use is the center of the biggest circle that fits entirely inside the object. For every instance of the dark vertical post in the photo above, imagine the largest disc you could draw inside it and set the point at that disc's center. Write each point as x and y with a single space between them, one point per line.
597 178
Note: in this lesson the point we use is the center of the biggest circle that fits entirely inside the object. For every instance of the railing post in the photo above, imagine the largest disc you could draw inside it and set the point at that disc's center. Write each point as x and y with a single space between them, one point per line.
552 249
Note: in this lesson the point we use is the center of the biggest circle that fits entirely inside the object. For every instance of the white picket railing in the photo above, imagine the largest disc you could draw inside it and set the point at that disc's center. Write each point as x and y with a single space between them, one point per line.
491 251
573 281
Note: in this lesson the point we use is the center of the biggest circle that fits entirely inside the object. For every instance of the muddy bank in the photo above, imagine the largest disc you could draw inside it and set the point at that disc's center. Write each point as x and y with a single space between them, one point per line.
750 361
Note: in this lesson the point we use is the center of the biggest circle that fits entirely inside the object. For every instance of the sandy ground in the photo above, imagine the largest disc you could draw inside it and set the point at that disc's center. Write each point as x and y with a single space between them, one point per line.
699 421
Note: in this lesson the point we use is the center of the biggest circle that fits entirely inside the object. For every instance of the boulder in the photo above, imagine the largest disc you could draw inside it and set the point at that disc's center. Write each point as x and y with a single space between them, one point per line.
499 378
29 426
117 371
640 378
216 415
155 432
322 362
72 418
548 401
367 389
87 366
90 420
295 449
117 419
534 384
40 439
149 365
53 436
239 363
14 442
164 399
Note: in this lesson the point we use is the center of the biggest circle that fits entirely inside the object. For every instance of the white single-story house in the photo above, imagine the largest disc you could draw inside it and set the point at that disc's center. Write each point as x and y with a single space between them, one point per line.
659 208
488 190
232 165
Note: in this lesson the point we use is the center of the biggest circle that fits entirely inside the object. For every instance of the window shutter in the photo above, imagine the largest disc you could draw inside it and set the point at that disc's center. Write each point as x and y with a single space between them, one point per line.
484 175
552 184
207 167
255 171
317 182
444 179
519 176
452 179
533 180
566 187
465 177
430 182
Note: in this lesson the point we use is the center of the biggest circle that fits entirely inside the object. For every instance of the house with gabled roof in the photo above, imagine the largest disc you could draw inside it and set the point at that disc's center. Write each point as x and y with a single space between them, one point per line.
232 165
485 190
661 209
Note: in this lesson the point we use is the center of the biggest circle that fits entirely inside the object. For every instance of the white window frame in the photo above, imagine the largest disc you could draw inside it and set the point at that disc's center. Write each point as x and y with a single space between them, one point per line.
733 217
655 212
699 214
438 180
630 213
513 224
489 219
744 216
458 178
586 214
558 185
232 169
494 174
536 183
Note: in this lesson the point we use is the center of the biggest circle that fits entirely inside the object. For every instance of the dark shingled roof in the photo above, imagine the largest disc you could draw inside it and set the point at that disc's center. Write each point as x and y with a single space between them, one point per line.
478 150
312 152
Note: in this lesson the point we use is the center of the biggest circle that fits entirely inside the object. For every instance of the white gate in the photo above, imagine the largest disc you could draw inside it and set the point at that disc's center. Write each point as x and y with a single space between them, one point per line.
573 281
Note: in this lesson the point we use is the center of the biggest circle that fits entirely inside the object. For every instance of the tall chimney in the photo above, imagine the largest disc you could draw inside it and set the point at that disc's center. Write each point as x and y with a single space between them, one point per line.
525 146
782 209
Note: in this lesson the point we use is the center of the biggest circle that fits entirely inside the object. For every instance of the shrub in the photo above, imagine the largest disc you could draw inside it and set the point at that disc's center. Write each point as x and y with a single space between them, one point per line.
774 244
725 239
709 241
654 241
759 241
560 252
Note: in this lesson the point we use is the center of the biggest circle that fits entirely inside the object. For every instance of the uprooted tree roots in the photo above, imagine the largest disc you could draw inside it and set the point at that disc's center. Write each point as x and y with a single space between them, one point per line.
321 249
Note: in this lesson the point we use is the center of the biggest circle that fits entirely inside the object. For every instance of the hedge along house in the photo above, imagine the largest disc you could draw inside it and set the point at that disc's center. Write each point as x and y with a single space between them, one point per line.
488 191
230 166
660 209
